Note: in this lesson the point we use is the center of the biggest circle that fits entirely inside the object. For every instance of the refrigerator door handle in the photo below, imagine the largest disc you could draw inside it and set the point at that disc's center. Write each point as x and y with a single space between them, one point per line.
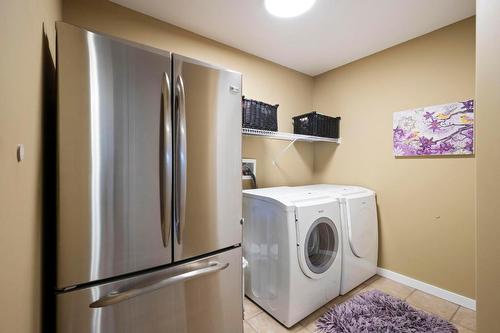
116 297
165 160
181 168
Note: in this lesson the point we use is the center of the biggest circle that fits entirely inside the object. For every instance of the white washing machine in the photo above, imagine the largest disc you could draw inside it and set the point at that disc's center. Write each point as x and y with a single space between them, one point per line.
359 232
291 240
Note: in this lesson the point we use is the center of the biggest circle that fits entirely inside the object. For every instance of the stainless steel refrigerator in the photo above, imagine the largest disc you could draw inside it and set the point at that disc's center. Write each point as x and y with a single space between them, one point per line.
149 189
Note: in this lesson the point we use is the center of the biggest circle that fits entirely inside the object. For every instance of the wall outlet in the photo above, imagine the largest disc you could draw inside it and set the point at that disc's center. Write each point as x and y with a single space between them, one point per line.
250 164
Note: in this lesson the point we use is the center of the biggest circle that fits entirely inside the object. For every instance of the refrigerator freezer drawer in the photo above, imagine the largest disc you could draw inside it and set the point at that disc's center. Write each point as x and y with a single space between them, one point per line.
199 296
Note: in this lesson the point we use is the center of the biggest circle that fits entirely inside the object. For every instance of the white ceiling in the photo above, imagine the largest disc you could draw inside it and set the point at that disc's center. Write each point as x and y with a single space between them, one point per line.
331 34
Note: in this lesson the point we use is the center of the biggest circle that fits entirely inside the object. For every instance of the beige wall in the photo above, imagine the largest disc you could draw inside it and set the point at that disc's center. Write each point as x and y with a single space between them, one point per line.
262 80
436 68
426 205
24 52
488 165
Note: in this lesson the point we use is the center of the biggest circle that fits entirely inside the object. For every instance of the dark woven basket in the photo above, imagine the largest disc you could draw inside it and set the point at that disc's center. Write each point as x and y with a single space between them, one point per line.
317 124
259 115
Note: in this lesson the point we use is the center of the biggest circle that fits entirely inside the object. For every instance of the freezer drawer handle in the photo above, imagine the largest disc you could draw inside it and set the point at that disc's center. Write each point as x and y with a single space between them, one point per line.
116 297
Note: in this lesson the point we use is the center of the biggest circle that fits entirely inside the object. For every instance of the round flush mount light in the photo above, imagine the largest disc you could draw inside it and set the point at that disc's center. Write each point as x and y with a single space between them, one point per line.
288 8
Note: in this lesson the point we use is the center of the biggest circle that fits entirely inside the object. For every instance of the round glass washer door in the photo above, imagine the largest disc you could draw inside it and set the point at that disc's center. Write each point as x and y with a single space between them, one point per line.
321 245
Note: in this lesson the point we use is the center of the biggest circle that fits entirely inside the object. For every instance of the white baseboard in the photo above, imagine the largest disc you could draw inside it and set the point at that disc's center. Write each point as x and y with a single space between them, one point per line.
428 288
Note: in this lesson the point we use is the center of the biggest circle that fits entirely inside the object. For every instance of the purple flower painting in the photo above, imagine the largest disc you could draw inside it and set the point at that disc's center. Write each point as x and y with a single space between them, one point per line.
446 129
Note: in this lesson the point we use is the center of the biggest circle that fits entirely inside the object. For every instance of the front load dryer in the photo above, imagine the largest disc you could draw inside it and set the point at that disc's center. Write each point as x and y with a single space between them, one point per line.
292 242
359 232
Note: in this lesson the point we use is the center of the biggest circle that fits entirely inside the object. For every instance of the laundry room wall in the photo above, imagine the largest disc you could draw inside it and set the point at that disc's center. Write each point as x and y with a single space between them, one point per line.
262 80
27 102
488 165
425 204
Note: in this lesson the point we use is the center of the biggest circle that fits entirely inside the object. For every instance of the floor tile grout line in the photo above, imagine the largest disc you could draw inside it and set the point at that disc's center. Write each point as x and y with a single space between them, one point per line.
255 314
454 313
254 328
437 297
452 317
413 291
248 323
260 310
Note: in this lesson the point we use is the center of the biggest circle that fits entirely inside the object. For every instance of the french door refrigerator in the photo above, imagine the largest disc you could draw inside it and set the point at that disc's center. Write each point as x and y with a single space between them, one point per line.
149 189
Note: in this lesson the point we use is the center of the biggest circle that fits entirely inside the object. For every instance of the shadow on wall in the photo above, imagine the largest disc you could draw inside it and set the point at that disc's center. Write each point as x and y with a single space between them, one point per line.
298 150
323 155
49 195
379 237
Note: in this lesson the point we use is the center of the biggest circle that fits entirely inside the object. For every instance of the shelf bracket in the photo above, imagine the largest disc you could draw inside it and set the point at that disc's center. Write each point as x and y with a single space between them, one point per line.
275 160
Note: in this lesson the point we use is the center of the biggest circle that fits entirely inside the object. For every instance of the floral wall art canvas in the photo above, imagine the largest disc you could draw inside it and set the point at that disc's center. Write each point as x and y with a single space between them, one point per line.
446 129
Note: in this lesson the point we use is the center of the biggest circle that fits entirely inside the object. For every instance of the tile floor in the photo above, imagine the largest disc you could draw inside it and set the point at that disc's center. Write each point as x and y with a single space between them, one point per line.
258 321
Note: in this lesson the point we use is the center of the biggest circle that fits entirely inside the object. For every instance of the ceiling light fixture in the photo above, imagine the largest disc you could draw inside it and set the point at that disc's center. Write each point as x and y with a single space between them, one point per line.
288 8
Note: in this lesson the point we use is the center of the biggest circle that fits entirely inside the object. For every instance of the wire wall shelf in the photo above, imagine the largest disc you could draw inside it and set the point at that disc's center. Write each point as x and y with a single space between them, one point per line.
287 136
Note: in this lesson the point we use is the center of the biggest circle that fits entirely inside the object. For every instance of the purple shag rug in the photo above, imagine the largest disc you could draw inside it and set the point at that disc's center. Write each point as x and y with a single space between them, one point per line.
374 311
